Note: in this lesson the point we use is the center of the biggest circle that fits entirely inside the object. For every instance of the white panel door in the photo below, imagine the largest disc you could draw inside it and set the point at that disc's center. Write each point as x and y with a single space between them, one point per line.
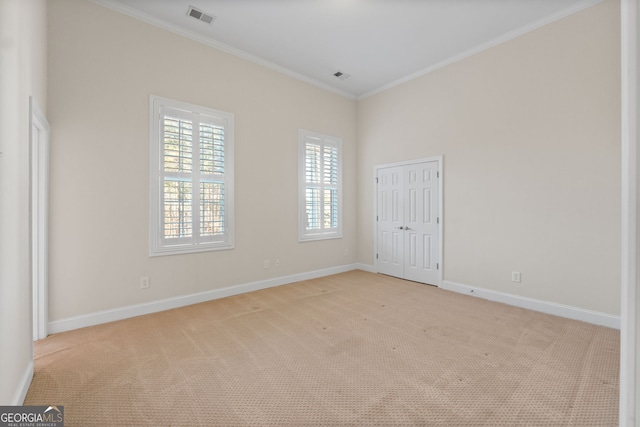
408 224
390 217
421 223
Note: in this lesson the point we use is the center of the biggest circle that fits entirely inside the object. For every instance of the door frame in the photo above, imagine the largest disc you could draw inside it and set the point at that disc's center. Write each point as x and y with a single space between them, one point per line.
630 266
39 209
439 160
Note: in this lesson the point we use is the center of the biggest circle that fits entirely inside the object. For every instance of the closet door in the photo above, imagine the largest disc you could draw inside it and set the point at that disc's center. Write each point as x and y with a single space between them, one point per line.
420 226
390 221
408 223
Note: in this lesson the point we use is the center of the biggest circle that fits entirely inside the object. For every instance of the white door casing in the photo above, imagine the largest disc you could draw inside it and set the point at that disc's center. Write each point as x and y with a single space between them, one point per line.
39 218
630 265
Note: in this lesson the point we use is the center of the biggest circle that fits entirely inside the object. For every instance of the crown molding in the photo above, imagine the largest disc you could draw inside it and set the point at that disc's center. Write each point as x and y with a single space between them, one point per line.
484 46
131 12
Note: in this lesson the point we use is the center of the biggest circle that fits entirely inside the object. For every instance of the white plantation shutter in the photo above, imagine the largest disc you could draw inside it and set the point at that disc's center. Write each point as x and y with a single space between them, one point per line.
320 186
191 185
176 170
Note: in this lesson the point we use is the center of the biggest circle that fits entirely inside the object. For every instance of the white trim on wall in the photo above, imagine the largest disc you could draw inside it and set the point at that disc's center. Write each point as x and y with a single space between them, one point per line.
491 43
366 267
569 312
134 13
630 287
39 129
105 316
121 313
129 11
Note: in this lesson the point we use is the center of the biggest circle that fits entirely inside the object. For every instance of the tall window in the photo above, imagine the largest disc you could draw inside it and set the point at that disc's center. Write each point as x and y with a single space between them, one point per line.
320 182
191 178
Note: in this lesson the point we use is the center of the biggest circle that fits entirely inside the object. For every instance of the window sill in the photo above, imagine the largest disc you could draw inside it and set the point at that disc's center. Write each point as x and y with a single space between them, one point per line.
188 249
303 239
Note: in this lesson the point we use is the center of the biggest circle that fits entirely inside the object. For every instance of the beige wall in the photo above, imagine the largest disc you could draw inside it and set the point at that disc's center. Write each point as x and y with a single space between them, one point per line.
530 133
22 74
102 68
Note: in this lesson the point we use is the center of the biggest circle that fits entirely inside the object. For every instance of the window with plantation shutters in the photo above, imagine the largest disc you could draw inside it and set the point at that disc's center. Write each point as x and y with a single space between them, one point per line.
320 177
191 178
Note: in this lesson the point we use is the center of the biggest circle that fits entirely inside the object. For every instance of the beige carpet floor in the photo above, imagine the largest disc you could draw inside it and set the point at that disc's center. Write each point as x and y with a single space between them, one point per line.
354 349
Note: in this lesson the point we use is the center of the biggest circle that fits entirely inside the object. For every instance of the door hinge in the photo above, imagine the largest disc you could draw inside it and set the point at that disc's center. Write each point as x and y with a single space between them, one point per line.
376 217
438 220
376 180
376 256
438 174
437 266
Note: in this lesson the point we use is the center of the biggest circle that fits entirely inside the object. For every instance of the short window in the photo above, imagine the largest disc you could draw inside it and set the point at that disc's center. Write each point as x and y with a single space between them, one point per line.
191 178
320 183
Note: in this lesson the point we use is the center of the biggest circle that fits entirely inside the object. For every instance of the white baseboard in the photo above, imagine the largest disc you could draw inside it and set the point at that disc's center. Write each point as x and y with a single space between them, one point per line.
366 267
105 316
23 385
561 310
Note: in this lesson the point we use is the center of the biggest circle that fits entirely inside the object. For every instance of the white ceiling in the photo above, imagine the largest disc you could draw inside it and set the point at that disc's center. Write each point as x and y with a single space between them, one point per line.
380 43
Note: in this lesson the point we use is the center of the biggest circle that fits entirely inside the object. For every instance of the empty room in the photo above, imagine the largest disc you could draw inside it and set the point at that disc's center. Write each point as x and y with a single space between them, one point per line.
319 212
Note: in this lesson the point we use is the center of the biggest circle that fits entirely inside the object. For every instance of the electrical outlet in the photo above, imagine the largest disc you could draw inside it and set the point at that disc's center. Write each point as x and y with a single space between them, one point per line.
277 262
516 276
144 282
266 264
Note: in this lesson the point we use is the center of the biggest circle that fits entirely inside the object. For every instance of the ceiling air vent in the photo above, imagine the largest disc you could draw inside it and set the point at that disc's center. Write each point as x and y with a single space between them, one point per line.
341 75
200 15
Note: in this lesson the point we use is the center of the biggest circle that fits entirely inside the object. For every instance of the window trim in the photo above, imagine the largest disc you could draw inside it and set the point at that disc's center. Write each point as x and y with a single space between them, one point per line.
323 234
157 245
